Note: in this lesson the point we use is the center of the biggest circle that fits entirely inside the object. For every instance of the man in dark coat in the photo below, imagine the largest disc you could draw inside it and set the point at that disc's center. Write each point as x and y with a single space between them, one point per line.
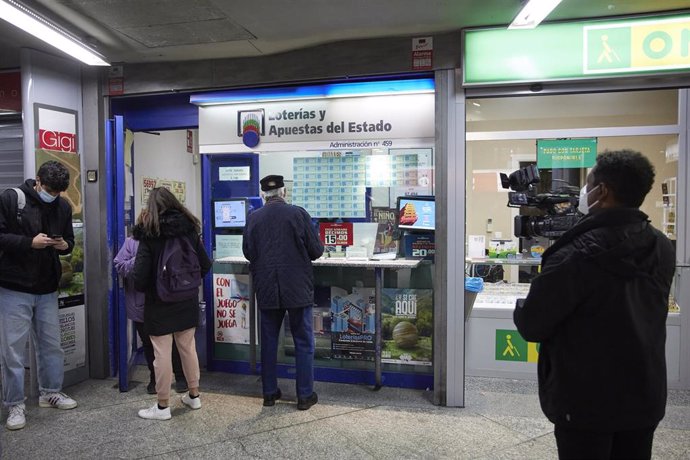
30 242
280 242
599 310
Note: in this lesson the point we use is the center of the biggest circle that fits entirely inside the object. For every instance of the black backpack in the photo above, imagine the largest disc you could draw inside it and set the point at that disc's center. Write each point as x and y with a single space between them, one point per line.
179 273
21 202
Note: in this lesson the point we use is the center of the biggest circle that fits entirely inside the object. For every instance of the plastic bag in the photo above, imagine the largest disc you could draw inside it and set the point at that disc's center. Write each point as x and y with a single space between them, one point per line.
474 284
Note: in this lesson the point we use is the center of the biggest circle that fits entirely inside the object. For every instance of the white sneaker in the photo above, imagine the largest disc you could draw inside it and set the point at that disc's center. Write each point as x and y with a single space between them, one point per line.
16 420
192 403
154 413
57 400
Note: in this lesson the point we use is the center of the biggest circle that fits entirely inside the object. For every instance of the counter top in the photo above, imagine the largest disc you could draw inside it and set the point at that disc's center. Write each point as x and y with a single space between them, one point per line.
341 262
488 261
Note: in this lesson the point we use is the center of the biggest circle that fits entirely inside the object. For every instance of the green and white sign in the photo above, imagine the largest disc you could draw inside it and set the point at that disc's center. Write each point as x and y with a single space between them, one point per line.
577 50
566 153
510 346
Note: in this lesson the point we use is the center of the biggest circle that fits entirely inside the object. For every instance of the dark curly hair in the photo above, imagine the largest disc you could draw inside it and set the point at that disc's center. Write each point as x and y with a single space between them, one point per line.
54 175
628 174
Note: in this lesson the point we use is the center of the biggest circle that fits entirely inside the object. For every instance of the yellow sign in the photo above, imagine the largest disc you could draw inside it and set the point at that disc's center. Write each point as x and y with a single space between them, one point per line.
662 44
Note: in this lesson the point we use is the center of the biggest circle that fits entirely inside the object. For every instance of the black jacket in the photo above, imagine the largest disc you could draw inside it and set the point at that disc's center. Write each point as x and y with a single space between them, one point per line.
599 309
162 318
280 242
22 268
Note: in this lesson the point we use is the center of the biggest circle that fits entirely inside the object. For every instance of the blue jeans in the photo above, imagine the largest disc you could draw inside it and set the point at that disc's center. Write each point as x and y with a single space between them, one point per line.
21 314
303 336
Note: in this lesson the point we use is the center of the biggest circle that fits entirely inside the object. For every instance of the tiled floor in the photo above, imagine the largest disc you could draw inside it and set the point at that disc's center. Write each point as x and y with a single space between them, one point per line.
502 420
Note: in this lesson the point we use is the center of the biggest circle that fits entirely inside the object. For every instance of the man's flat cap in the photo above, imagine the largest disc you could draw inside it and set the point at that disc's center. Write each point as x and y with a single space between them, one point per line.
271 182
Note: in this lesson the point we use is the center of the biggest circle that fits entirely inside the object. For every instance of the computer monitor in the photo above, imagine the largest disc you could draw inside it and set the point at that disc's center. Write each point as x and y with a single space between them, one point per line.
416 213
230 213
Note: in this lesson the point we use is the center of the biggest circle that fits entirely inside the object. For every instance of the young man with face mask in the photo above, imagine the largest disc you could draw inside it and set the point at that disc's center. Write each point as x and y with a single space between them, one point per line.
31 240
598 308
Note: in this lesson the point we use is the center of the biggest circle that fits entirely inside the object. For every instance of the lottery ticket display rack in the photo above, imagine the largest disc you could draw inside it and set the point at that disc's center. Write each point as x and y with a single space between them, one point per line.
377 265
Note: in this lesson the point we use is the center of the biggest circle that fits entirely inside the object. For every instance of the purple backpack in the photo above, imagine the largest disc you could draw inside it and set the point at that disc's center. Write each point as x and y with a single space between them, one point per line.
179 272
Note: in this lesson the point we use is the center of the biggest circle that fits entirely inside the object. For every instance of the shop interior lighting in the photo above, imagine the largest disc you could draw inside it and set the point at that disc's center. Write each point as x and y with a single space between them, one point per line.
323 91
533 13
30 22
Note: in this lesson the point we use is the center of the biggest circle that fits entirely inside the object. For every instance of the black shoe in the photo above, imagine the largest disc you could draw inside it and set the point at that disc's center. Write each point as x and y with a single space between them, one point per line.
151 388
270 400
180 386
306 403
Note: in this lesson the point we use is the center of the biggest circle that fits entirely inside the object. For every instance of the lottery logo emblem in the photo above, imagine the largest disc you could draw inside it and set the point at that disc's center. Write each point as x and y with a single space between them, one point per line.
250 126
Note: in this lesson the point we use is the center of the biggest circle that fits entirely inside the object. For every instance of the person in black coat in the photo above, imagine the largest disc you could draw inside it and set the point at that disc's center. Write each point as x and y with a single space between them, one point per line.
599 309
280 242
30 242
166 218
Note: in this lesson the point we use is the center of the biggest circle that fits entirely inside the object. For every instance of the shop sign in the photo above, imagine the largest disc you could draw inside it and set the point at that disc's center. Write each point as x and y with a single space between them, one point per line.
566 153
233 173
510 346
56 129
577 50
340 124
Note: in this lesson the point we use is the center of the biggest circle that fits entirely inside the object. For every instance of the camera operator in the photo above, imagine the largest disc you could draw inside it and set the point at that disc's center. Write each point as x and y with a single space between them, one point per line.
599 309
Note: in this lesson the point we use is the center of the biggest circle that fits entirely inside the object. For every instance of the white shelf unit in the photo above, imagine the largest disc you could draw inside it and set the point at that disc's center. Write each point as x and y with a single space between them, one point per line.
668 196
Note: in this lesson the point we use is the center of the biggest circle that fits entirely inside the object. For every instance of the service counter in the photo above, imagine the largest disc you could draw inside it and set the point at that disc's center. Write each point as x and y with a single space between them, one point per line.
332 271
495 348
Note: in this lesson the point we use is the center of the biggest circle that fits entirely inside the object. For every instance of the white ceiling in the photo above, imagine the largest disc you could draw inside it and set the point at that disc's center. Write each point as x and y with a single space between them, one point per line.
136 31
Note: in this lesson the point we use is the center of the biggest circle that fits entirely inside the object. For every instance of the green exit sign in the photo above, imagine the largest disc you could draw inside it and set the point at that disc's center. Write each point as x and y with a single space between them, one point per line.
577 50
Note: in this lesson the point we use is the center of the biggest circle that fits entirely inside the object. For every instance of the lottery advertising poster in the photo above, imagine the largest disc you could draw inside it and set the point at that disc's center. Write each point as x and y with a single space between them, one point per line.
385 242
72 318
407 326
231 308
352 326
336 236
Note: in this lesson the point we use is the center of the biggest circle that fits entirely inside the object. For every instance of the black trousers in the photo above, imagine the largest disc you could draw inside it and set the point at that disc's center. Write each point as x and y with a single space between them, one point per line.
148 354
578 444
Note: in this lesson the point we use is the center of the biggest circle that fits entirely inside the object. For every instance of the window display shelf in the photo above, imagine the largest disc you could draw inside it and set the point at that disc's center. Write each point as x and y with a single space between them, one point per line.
500 295
531 261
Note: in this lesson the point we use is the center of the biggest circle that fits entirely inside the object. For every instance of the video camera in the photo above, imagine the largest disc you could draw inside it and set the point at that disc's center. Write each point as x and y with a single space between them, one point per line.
555 211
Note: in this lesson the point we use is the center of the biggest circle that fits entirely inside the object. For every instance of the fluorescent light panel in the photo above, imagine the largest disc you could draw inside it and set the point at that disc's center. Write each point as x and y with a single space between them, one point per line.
18 15
533 13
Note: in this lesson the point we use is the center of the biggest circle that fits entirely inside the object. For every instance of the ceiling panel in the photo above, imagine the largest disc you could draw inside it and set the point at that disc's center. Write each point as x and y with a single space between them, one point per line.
163 30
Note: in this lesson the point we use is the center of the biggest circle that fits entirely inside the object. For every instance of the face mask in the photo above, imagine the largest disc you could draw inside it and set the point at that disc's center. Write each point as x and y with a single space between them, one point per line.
582 205
45 196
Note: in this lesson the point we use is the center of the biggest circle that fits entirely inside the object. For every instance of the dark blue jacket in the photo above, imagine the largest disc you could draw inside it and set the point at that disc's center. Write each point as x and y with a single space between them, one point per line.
23 268
280 242
599 309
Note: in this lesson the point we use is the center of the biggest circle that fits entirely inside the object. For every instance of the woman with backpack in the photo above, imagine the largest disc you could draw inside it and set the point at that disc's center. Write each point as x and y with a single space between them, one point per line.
170 263
134 305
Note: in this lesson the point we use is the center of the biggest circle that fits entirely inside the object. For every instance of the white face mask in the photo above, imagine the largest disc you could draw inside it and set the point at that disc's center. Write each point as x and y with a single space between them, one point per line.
46 197
582 205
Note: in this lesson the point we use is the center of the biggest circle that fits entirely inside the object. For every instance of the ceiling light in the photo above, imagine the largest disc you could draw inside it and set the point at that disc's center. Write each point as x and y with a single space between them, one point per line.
30 22
476 104
533 13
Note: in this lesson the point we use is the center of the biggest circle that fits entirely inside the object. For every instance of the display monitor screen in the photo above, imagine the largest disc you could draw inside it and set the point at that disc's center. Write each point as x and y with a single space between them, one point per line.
230 213
416 213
